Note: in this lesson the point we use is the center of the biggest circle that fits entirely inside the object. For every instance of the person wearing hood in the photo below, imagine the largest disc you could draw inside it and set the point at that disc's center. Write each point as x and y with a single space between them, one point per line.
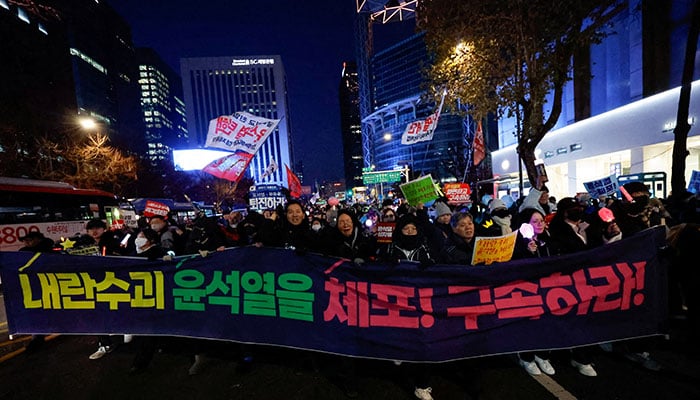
346 239
538 198
409 242
500 220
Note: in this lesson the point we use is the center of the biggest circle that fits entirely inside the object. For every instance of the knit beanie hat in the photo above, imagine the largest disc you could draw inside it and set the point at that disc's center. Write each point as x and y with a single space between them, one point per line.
442 209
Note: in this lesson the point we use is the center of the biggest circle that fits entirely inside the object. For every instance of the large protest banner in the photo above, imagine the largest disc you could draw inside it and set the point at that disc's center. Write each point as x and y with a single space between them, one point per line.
397 312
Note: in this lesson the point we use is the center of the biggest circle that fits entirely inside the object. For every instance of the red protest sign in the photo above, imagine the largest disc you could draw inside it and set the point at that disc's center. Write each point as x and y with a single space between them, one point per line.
457 193
155 208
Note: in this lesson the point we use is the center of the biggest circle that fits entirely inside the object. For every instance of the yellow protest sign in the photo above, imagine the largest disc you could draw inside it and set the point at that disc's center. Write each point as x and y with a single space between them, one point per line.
494 249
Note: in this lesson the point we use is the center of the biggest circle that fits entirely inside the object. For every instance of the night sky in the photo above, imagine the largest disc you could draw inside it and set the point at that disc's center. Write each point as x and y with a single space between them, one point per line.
313 37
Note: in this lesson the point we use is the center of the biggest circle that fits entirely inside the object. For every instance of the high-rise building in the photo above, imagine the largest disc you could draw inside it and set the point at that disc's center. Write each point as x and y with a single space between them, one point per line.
65 59
397 101
350 128
215 86
37 96
104 69
163 107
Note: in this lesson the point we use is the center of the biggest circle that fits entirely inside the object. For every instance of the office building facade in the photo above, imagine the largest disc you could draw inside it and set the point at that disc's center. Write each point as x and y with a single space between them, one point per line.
215 86
350 126
163 107
66 60
398 100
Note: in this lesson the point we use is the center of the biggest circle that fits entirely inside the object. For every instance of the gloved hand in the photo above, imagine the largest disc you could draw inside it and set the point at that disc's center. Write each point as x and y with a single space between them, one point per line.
204 253
358 262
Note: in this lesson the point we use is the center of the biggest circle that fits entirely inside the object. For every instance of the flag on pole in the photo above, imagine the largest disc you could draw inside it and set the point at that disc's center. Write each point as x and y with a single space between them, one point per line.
423 130
229 167
240 131
270 169
293 182
478 144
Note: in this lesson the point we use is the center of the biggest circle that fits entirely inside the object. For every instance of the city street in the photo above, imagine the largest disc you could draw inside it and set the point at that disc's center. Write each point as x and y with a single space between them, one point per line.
61 369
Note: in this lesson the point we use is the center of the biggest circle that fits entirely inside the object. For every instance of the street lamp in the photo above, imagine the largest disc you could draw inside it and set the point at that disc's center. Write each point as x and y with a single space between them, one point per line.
87 123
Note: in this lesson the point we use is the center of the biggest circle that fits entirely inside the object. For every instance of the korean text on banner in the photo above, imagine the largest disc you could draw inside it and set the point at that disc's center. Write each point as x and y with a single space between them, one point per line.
231 167
421 190
155 208
420 131
488 250
602 187
275 297
240 131
457 193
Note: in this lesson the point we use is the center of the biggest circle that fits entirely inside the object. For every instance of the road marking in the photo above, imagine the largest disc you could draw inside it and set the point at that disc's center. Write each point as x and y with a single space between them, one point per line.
553 387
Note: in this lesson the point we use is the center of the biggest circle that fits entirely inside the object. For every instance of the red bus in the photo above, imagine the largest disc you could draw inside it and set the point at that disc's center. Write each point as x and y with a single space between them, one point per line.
56 209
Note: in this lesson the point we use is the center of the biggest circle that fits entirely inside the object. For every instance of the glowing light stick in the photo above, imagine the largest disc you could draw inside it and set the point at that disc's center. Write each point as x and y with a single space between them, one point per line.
527 231
606 215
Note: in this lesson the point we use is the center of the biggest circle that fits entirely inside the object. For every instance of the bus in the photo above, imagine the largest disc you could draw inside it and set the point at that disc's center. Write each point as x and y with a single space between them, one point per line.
56 209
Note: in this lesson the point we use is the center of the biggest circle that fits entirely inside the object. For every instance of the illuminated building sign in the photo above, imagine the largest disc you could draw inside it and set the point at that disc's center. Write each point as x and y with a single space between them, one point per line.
239 62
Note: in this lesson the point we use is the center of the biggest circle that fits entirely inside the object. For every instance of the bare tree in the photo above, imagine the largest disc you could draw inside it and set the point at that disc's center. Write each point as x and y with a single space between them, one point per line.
506 57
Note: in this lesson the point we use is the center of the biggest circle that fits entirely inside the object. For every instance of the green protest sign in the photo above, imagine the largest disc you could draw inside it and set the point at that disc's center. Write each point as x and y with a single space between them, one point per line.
421 190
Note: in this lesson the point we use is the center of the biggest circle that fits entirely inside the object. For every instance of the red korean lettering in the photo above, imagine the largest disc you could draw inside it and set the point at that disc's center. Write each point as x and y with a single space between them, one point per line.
471 313
335 307
559 300
225 126
393 317
518 300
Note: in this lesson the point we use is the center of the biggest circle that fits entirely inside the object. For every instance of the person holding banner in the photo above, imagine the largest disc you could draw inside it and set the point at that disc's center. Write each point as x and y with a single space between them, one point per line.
347 240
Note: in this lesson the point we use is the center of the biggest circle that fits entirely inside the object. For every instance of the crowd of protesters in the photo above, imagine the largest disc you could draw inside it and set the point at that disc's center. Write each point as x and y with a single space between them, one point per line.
440 234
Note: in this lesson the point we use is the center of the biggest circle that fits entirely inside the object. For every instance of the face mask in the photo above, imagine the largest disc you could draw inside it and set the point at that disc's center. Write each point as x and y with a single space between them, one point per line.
316 227
140 242
501 213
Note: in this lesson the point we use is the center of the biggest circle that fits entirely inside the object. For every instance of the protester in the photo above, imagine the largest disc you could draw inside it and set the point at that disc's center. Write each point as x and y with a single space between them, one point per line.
291 230
537 245
147 244
167 239
538 198
568 230
36 241
347 239
459 245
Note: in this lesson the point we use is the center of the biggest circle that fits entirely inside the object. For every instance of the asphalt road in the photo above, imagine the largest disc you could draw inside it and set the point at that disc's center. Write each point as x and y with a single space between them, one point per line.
61 370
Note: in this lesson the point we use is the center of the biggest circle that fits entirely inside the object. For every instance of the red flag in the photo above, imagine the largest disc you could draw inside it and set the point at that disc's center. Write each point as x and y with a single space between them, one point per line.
230 167
293 182
478 145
